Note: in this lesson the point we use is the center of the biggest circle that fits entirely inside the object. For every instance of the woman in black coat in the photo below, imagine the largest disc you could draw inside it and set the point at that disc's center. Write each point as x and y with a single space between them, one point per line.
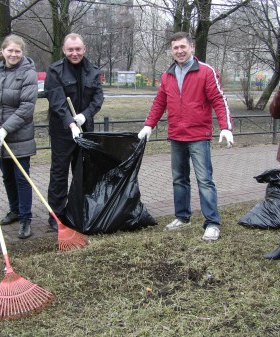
18 94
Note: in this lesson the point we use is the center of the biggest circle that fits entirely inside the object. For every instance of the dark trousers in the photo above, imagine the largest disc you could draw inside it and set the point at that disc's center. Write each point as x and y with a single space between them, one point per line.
18 189
64 153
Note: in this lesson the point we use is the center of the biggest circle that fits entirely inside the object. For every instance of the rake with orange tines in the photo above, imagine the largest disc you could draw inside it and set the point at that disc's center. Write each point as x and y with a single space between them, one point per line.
67 238
18 296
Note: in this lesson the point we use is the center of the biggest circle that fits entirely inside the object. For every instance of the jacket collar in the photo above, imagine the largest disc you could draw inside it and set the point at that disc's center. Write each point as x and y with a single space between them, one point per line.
85 63
23 64
194 67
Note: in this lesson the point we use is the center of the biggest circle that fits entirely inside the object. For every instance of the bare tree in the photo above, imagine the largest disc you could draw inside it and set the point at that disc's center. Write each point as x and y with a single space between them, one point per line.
153 38
248 63
265 24
12 10
219 43
109 36
197 16
235 48
65 15
205 21
53 19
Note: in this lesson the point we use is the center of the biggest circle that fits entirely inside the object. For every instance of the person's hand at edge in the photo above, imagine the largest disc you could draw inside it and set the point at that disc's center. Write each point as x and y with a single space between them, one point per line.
3 134
80 119
227 134
146 131
75 130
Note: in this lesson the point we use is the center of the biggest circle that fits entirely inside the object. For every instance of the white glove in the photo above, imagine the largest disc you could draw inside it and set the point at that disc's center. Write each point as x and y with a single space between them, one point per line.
80 119
146 131
75 130
228 136
3 134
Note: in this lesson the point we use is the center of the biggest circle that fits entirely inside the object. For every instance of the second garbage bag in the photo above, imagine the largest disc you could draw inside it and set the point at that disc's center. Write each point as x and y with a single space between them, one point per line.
104 195
266 213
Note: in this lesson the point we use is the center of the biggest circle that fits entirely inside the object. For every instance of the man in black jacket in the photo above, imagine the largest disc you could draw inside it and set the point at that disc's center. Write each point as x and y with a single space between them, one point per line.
75 77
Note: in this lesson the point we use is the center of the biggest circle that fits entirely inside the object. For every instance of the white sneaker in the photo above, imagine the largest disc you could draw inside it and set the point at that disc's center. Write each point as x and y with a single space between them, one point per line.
176 224
211 233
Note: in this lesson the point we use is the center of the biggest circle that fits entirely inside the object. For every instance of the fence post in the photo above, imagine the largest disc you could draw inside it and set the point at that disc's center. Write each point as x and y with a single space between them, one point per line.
106 124
274 136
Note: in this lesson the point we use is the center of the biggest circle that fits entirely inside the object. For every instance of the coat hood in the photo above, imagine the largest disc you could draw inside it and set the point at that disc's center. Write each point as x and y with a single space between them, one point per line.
25 63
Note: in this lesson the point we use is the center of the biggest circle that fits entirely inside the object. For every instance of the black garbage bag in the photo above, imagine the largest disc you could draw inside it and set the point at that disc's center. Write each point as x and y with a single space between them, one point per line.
266 214
104 195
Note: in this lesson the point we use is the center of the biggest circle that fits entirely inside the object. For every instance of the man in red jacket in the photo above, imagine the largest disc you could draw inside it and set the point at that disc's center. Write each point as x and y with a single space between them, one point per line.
189 91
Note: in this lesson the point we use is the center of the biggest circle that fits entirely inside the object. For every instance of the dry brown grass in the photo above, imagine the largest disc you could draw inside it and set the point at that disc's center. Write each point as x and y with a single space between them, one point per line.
155 283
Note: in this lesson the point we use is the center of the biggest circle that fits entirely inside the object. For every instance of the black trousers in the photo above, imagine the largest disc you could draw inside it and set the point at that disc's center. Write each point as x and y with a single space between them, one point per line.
63 154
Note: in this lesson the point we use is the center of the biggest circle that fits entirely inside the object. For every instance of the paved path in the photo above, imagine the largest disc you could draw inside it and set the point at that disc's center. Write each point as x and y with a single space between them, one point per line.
234 170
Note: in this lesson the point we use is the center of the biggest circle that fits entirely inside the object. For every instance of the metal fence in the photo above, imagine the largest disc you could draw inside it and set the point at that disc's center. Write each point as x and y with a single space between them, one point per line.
244 125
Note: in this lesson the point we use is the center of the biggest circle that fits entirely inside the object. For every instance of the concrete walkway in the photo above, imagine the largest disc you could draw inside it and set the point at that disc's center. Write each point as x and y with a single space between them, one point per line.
234 170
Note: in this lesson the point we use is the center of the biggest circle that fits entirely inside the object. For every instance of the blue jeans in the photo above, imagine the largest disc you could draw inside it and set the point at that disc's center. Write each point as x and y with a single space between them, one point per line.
200 154
18 189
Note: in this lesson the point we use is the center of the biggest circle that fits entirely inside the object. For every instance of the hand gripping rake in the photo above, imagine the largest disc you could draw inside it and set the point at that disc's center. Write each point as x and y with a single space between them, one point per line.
67 237
19 297
72 109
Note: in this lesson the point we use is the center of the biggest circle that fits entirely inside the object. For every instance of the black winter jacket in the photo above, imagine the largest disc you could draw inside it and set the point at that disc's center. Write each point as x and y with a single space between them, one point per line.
86 95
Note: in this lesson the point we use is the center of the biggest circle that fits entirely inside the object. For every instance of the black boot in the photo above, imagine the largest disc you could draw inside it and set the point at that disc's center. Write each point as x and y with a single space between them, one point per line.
11 217
53 224
25 229
275 255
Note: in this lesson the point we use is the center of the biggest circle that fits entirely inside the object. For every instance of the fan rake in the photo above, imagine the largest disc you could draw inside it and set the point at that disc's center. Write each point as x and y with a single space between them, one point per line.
18 296
67 237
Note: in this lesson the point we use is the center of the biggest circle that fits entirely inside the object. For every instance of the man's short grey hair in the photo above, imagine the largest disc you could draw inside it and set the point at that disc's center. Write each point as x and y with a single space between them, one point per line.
73 36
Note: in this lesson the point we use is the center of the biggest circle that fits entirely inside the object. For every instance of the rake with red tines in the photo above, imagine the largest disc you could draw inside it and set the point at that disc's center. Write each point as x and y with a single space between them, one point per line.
68 238
18 296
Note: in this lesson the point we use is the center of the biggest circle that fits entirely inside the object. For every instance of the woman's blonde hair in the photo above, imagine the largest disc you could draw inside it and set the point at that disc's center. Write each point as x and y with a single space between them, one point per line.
13 39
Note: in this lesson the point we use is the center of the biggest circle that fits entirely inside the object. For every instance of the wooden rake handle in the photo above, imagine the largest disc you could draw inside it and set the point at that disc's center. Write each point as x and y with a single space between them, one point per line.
27 177
72 109
5 253
9 269
2 242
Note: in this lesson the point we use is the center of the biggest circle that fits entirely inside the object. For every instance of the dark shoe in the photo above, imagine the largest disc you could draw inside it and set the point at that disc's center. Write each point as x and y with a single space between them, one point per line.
9 218
53 224
275 255
25 229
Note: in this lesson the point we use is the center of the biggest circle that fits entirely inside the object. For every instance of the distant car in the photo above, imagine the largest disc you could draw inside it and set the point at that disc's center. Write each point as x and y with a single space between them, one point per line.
41 90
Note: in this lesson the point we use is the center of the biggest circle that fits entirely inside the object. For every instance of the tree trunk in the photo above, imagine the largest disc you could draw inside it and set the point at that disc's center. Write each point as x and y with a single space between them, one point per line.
153 74
201 37
202 30
182 16
5 19
274 79
267 91
246 92
61 26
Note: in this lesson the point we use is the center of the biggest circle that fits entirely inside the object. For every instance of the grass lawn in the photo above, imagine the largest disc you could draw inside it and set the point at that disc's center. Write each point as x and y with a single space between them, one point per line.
155 283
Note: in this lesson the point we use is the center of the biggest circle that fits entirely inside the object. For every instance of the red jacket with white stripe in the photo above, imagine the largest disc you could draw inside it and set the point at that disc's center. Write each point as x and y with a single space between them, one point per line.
189 113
